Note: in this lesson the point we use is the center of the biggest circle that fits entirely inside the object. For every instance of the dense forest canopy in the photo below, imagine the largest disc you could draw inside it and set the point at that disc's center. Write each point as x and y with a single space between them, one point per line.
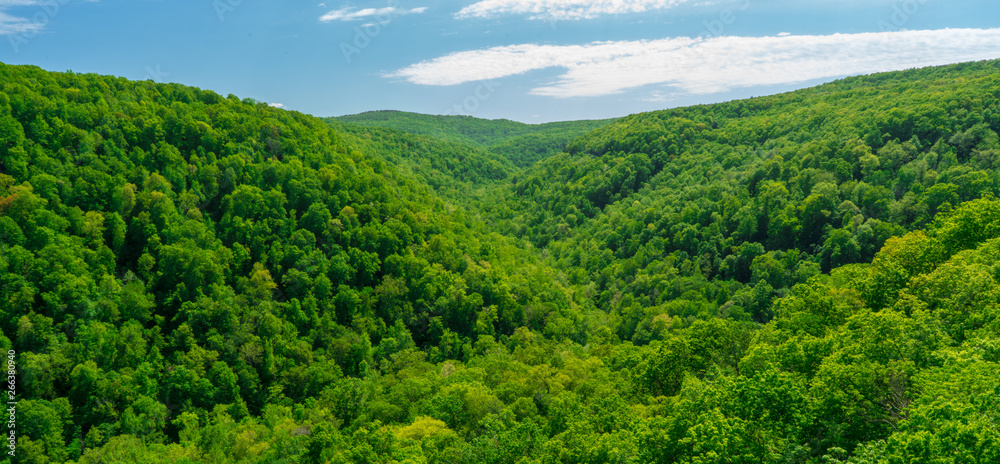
810 277
522 144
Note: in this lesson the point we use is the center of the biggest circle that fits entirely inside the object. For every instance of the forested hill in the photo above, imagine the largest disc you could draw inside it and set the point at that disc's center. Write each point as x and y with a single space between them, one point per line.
758 195
522 144
177 265
805 278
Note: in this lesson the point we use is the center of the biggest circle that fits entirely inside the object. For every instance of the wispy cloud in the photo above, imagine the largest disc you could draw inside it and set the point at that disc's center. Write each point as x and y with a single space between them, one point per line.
706 66
566 9
14 24
46 9
9 3
348 14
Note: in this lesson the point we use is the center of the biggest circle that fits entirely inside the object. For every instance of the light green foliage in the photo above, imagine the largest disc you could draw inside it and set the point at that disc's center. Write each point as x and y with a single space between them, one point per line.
804 278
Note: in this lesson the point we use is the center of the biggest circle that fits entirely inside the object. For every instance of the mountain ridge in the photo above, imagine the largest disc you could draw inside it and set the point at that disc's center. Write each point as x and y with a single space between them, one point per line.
808 278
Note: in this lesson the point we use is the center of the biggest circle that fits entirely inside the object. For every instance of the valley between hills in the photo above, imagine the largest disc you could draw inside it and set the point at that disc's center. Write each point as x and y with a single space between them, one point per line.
810 277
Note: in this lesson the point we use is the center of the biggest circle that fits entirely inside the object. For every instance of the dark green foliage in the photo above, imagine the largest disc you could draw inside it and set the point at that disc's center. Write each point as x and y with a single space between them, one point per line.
479 133
804 278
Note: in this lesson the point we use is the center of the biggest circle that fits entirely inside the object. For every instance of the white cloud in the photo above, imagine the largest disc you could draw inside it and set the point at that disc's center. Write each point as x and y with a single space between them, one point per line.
16 25
705 66
45 11
277 105
379 14
566 9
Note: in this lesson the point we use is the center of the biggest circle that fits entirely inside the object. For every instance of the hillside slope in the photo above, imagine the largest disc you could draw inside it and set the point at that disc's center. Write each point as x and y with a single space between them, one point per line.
167 251
522 144
756 196
804 278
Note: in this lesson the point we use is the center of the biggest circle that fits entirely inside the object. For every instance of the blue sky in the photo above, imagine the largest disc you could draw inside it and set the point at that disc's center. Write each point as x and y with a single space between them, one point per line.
526 60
